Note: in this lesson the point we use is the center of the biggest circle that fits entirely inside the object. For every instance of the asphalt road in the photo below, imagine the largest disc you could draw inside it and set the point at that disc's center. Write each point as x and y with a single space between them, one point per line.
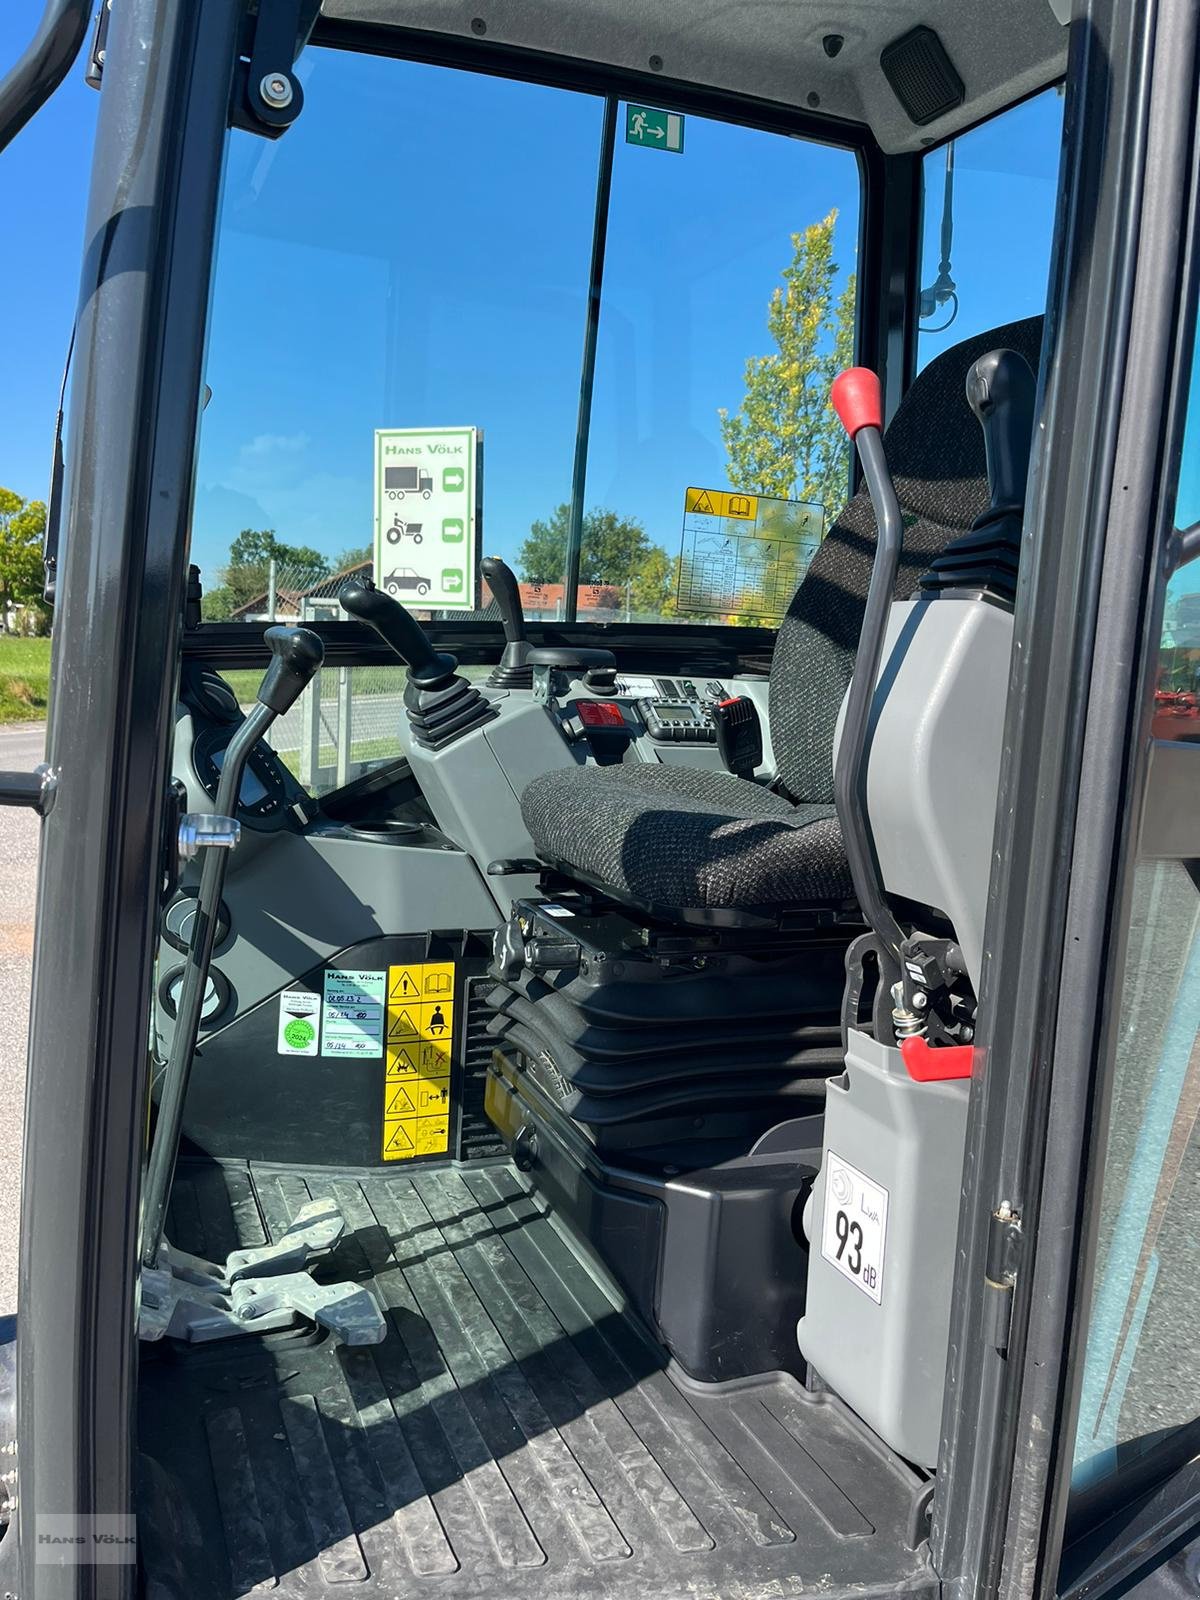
20 751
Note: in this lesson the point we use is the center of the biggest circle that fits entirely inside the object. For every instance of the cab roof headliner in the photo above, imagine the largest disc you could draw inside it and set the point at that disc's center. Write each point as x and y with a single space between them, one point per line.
769 49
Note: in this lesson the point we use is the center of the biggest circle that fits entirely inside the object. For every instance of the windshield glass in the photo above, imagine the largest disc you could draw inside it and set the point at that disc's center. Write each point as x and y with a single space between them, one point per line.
398 351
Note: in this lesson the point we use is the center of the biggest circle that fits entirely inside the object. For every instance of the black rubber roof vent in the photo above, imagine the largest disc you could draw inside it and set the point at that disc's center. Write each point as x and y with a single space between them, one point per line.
922 75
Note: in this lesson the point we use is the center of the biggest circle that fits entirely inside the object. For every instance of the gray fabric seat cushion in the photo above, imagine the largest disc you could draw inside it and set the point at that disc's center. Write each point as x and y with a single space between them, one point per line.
687 837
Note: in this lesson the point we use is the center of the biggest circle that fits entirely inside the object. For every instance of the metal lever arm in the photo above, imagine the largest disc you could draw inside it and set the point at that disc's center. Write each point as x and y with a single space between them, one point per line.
297 653
857 400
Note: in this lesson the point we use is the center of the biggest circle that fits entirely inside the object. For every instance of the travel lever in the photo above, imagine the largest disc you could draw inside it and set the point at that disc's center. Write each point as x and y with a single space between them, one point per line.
296 653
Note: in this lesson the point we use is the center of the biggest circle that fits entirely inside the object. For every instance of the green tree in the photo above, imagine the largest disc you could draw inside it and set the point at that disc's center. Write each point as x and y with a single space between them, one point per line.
612 550
784 440
353 557
247 572
22 529
652 588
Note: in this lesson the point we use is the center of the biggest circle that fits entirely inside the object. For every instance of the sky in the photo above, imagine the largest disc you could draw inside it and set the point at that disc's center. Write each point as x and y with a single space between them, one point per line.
414 253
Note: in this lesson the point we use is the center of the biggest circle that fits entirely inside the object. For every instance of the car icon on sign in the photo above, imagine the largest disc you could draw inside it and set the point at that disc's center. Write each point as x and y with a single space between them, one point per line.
402 579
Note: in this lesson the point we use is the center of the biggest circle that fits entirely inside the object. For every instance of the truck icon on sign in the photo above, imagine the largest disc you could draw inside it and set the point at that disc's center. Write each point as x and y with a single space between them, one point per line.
399 481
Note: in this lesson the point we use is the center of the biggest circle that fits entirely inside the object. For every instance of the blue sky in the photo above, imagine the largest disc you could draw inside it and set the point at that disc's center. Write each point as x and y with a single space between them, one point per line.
414 253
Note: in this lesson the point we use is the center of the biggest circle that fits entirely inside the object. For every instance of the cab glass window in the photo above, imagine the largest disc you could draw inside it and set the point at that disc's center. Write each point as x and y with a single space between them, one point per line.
412 254
715 458
1139 1406
416 253
987 224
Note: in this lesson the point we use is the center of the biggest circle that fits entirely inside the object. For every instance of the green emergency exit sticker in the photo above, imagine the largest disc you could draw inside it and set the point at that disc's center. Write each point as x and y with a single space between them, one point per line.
654 130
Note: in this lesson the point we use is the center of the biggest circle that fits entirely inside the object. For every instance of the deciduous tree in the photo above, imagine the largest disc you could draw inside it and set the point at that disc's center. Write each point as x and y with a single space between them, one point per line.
22 529
784 440
613 549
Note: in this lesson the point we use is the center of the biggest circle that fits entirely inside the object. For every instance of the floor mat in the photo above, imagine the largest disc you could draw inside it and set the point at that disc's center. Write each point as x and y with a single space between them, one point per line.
517 1432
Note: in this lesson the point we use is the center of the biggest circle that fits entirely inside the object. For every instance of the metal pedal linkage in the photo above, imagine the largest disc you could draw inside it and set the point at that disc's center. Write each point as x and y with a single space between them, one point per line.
258 1290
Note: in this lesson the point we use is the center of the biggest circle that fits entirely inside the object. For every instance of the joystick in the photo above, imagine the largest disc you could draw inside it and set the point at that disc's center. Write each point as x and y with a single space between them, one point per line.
441 706
513 670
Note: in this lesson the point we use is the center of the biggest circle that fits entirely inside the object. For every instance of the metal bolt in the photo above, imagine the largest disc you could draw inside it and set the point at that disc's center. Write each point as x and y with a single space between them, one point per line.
247 1313
919 1000
276 90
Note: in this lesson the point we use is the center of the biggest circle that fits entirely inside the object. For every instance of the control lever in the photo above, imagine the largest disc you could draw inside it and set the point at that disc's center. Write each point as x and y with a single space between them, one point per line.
515 668
1002 392
857 400
739 734
401 630
441 706
512 671
296 653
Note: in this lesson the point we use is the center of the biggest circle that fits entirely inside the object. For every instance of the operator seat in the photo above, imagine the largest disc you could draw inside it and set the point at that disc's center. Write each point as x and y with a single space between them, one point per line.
697 845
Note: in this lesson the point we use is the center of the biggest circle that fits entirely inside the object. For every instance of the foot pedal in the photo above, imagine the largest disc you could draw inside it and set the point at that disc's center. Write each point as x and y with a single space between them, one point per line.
314 1231
258 1290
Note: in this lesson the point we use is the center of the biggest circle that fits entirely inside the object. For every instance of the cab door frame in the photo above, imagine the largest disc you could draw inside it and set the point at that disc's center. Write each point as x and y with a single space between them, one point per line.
1098 538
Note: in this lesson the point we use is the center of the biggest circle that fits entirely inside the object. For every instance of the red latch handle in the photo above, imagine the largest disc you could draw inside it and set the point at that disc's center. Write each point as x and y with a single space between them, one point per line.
857 399
929 1065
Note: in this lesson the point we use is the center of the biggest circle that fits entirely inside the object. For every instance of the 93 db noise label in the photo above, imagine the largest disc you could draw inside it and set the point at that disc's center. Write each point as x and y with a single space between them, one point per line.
854 1225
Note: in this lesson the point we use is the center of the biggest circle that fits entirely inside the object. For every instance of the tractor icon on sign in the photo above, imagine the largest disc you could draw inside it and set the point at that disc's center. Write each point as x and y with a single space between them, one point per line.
403 530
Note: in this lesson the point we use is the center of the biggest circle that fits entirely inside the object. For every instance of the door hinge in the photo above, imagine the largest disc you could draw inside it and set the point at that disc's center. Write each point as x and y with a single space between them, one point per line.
267 96
93 72
1004 1247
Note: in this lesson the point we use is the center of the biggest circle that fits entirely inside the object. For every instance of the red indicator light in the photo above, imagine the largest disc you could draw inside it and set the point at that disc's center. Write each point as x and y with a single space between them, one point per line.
599 714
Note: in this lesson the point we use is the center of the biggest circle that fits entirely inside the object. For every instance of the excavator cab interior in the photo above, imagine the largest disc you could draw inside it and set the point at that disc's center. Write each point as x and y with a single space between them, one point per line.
597 1119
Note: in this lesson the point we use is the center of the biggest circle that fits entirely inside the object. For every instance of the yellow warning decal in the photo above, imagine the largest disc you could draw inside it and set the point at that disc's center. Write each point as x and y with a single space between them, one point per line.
720 503
419 1050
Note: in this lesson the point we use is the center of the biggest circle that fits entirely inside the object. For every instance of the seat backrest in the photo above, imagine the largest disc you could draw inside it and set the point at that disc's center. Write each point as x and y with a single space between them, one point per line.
935 450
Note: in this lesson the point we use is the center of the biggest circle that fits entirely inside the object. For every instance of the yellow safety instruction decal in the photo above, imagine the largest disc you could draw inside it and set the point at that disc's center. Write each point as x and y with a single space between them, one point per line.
419 1042
720 503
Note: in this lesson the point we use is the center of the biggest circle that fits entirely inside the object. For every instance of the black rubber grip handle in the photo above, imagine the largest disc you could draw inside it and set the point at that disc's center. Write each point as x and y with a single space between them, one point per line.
1002 392
568 656
502 581
396 627
296 654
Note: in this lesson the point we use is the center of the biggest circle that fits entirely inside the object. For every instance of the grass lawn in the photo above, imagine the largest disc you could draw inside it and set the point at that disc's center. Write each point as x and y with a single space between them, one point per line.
24 679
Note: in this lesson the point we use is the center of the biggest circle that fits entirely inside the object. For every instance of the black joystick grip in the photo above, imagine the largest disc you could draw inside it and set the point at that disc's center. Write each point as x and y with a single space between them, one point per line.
1002 392
502 581
296 654
399 628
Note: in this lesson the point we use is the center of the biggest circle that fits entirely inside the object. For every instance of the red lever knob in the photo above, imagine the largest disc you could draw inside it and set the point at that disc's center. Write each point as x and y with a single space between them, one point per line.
929 1065
857 399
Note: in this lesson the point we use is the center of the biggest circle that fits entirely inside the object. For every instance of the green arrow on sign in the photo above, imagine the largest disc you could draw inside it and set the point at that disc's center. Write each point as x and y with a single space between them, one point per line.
654 130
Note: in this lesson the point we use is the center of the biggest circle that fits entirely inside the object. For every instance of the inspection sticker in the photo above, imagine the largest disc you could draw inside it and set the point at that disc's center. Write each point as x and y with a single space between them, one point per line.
353 1013
854 1228
299 1023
